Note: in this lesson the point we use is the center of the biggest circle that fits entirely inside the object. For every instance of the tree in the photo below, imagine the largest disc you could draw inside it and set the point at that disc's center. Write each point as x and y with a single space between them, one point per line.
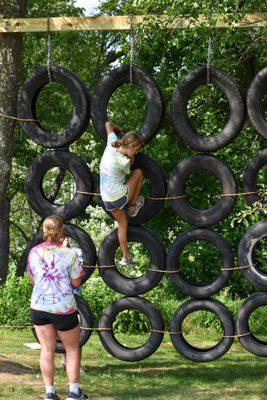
10 46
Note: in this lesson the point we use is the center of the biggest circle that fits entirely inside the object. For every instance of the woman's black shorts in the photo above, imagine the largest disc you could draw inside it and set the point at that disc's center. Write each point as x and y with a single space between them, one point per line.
61 322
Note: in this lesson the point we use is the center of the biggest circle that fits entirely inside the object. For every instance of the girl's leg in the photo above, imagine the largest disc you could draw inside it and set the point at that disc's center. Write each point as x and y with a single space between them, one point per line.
120 216
134 184
47 337
70 340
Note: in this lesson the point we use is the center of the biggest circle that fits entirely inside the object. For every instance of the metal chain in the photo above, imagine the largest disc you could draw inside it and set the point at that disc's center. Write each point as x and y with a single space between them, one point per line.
132 50
209 51
48 50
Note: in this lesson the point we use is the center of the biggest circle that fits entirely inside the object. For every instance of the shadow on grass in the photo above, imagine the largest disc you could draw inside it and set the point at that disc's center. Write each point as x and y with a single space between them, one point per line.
14 368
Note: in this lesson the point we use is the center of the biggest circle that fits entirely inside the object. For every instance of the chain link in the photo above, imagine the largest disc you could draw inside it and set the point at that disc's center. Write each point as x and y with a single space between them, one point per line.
48 50
132 50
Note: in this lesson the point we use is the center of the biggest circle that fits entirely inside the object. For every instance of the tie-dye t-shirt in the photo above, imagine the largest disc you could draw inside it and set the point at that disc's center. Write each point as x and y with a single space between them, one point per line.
52 266
113 168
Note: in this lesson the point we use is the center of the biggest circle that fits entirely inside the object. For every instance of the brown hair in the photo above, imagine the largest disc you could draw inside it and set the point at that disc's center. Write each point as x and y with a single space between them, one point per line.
52 228
129 139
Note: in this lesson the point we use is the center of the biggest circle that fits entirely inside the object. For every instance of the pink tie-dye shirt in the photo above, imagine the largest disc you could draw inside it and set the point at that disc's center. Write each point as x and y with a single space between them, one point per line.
52 266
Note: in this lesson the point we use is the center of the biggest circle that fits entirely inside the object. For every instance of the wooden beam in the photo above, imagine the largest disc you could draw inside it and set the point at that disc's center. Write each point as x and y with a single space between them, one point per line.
125 23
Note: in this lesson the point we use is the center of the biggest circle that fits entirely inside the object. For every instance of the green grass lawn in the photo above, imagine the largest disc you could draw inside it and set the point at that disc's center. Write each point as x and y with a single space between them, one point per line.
164 376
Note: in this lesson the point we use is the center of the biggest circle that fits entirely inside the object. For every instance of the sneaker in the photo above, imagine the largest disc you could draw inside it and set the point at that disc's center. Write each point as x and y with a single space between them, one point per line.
51 396
80 396
133 211
127 261
62 365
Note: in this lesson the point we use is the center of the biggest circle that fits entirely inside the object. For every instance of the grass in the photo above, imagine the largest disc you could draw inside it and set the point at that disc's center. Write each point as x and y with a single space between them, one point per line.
164 376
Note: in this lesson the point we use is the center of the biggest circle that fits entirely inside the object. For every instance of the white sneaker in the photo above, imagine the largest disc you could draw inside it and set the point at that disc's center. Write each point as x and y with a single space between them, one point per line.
134 210
127 261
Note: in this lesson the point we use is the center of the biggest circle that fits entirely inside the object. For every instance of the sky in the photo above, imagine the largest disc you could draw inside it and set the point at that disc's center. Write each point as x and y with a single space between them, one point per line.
89 5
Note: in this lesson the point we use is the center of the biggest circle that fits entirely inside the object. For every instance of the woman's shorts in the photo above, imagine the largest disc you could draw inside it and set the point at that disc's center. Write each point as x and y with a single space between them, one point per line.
61 322
120 203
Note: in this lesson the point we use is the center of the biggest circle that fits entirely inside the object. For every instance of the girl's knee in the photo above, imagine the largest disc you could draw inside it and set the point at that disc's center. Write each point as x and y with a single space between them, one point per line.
138 172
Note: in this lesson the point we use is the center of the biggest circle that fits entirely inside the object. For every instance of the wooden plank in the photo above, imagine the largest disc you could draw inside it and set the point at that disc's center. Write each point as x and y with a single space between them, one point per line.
123 23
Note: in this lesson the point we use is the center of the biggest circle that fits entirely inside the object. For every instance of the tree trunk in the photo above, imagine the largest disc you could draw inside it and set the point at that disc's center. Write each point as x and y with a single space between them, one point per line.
10 45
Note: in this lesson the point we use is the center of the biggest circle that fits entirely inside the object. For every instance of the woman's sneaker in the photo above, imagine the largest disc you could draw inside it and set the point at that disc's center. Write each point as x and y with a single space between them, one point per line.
80 396
127 261
51 396
134 210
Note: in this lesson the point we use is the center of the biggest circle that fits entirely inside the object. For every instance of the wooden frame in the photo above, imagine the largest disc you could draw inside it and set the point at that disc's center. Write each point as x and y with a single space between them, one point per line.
63 24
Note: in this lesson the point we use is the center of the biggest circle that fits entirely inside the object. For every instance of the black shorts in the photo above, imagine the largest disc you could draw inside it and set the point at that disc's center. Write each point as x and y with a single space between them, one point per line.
61 322
120 203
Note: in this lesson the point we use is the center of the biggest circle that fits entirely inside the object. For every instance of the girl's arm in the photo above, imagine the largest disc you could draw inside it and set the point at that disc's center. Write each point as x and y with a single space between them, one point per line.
110 127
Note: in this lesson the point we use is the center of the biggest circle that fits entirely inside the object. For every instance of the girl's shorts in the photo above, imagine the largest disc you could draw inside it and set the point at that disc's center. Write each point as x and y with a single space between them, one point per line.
61 322
120 203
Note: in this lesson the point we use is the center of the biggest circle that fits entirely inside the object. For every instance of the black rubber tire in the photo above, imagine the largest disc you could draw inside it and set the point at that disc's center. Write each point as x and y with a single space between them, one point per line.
155 176
250 178
193 353
27 101
66 160
113 346
121 283
250 342
177 182
180 100
112 81
84 241
186 286
254 275
255 93
86 321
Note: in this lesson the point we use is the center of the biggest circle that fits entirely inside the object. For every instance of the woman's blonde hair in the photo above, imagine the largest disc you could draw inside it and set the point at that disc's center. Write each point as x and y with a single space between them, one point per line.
52 228
129 139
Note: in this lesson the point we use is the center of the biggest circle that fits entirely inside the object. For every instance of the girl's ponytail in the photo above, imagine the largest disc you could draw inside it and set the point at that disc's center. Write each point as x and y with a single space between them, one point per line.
116 143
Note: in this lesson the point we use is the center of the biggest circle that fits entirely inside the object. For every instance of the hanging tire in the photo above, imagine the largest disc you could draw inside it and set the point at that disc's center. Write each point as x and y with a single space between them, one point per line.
86 321
180 100
255 94
254 274
84 241
80 172
27 101
113 346
186 286
249 341
193 353
112 81
250 179
157 185
119 282
177 182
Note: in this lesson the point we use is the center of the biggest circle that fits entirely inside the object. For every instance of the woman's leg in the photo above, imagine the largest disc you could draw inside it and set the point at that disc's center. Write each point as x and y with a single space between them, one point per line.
120 216
47 337
71 340
134 184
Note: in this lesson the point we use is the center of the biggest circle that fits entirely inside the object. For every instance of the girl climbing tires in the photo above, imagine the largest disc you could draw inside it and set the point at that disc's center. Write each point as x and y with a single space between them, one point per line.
120 351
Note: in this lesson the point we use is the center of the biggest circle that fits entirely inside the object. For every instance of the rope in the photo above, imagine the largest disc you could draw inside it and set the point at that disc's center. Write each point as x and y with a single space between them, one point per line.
239 267
165 271
18 119
237 336
171 197
48 50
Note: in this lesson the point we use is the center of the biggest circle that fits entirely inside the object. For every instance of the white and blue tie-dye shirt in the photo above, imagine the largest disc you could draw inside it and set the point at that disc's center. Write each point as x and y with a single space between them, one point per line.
52 266
113 168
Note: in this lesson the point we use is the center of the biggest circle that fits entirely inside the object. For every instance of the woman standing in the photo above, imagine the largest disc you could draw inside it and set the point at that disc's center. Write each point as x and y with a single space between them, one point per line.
54 271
